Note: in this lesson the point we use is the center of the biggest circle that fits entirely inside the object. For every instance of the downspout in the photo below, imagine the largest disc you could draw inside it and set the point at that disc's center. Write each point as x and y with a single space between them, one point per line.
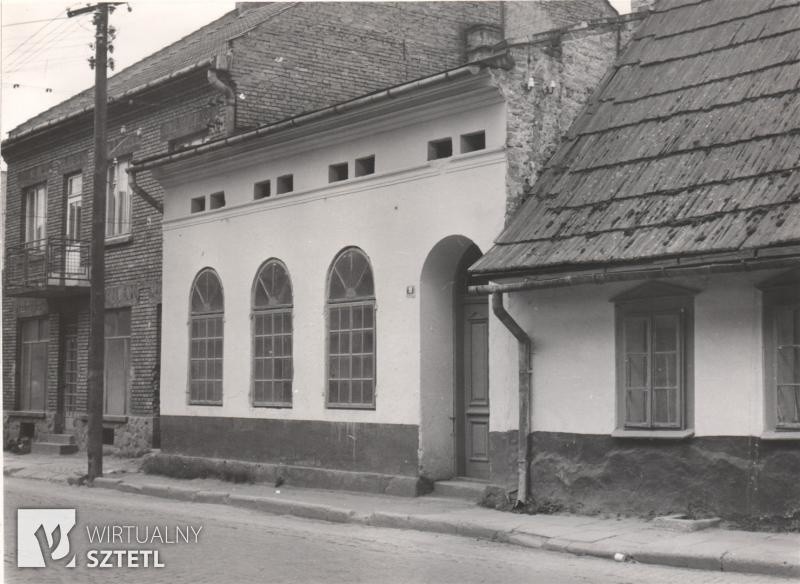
525 347
213 75
146 197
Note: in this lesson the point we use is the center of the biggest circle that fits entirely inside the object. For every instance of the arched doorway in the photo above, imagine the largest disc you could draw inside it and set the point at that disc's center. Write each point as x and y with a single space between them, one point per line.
454 392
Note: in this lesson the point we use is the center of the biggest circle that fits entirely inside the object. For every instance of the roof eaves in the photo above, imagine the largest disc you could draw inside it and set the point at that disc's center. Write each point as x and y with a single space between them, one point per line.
473 68
163 79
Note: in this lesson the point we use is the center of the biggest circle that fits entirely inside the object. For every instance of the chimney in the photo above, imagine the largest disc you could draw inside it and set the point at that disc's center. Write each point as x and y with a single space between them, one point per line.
481 40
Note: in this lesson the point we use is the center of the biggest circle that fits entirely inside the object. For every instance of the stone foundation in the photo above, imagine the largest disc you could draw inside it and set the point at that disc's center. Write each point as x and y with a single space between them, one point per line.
739 478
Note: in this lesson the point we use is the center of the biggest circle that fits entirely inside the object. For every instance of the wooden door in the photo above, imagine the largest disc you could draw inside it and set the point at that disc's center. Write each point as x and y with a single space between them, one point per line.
474 398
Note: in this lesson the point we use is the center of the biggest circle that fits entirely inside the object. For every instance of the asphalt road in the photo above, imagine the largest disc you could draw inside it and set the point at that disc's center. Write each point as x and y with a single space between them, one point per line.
239 546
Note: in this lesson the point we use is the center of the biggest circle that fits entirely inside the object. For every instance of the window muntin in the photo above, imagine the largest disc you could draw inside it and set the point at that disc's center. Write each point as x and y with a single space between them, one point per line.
36 215
351 332
118 201
74 184
206 340
272 336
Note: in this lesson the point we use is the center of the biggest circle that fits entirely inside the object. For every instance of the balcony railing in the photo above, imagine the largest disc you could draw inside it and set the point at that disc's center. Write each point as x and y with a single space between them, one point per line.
47 266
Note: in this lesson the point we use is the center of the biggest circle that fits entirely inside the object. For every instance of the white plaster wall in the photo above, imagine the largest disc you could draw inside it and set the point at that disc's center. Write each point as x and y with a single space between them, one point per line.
574 385
395 216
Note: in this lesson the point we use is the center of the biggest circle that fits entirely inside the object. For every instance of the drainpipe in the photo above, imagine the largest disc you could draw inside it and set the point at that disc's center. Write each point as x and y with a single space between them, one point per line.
525 347
222 86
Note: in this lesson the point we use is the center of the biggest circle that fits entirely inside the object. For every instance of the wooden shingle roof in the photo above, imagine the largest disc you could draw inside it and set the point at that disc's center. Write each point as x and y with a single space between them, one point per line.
690 146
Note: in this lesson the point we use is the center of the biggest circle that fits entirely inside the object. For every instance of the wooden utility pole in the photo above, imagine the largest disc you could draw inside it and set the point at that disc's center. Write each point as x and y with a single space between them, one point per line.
97 291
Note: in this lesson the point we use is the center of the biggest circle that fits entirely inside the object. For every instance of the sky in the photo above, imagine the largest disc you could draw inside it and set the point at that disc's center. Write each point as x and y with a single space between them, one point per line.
44 54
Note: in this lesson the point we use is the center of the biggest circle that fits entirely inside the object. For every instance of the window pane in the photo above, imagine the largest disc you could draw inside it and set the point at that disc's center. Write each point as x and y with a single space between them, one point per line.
788 404
665 406
636 375
665 370
666 332
788 364
351 277
636 335
636 406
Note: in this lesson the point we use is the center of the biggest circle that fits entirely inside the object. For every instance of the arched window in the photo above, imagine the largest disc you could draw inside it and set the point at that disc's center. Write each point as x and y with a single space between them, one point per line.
272 336
351 331
205 360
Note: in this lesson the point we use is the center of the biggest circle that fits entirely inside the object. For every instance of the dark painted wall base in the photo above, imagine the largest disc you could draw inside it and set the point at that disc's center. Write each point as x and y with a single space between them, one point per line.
189 467
744 479
389 449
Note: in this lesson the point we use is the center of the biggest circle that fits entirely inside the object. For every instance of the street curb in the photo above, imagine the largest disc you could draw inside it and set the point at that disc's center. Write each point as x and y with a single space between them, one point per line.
728 562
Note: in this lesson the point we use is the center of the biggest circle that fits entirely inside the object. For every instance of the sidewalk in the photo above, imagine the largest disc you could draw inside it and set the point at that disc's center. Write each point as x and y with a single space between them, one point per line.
621 539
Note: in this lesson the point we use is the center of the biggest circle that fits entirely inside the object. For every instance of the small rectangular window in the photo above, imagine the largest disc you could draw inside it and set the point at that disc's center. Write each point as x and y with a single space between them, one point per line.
337 172
198 204
365 166
473 142
285 184
440 148
262 190
216 200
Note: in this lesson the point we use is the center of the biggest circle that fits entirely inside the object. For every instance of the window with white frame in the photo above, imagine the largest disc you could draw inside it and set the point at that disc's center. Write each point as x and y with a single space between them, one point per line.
782 352
272 336
74 187
206 339
36 215
351 331
118 200
654 336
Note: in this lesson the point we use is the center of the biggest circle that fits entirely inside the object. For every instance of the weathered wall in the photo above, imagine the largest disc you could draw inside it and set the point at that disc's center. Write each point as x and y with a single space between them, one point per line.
735 477
566 67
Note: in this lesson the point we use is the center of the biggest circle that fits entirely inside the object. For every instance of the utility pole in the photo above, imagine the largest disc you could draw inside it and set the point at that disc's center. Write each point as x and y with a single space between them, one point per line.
97 290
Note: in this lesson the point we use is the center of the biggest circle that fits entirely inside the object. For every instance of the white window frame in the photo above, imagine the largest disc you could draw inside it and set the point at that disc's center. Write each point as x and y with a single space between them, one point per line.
118 199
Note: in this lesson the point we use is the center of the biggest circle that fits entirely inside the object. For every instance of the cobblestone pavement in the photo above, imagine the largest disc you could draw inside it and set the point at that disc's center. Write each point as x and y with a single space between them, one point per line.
237 546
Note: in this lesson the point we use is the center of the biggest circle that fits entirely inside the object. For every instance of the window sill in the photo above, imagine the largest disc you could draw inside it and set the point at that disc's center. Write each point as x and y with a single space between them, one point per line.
653 434
781 435
369 408
26 414
118 240
205 403
273 406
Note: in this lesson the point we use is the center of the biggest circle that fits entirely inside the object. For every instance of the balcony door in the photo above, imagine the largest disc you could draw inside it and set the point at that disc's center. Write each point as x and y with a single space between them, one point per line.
72 256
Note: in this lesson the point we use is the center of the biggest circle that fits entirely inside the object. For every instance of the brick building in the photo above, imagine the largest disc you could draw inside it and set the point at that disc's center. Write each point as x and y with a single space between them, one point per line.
257 64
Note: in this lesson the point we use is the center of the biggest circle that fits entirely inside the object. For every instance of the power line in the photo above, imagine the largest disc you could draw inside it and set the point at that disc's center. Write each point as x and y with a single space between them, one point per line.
34 34
53 37
34 21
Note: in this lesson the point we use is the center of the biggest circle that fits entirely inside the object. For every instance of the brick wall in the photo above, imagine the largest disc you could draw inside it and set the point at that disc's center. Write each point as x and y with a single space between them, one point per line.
133 267
566 67
319 53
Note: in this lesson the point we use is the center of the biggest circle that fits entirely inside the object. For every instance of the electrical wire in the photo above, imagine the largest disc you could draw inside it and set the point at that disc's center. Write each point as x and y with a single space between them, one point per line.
34 34
34 21
53 37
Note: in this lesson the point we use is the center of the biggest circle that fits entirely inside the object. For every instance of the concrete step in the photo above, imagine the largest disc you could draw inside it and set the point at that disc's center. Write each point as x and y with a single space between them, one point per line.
57 438
460 488
53 448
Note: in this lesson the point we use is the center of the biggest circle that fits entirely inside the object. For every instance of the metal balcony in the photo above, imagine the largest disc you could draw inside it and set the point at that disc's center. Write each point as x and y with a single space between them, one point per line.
47 268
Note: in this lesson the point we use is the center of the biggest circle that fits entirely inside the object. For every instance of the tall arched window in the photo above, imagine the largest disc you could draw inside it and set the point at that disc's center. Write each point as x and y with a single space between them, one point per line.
351 331
272 336
205 357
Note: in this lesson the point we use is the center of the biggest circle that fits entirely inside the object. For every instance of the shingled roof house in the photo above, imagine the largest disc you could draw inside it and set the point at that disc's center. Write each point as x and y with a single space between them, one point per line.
258 64
655 266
